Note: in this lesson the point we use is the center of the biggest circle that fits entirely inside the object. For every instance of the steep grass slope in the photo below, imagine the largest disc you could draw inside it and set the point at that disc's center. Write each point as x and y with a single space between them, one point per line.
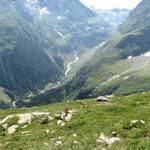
128 117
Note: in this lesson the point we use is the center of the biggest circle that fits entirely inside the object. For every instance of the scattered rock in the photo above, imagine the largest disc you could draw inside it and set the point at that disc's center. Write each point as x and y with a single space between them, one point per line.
114 134
102 99
75 142
12 129
5 119
107 141
67 115
37 114
10 121
53 131
5 126
25 118
46 144
57 143
25 132
25 126
59 137
47 131
61 123
74 135
58 115
147 134
134 124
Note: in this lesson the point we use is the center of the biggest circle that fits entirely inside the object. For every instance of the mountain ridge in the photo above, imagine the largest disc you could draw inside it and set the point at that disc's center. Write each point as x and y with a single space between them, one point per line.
120 67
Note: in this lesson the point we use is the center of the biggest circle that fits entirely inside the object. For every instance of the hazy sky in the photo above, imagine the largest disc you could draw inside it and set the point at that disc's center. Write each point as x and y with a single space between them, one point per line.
109 4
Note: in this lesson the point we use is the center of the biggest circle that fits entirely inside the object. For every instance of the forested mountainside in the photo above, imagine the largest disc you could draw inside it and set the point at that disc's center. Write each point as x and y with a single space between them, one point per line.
120 67
37 37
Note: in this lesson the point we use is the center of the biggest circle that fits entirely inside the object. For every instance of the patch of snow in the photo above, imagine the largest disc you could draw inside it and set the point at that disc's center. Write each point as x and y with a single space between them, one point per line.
130 57
67 11
30 95
43 11
147 54
42 92
87 28
59 17
109 80
114 77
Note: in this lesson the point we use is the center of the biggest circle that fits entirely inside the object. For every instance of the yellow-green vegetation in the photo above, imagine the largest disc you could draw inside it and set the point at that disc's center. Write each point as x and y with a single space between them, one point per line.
90 119
4 97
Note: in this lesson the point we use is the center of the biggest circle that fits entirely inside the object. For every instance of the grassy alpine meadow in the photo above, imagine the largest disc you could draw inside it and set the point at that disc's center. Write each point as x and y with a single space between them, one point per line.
127 117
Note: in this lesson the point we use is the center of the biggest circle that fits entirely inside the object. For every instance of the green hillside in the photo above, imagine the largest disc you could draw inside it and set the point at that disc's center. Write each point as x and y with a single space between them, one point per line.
120 67
37 39
126 117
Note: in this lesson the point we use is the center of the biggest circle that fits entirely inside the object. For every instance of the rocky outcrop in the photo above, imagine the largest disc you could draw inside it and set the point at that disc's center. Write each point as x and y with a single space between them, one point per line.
12 122
102 99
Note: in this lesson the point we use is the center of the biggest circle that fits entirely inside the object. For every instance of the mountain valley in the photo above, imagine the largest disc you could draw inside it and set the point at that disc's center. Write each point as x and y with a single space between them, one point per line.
39 38
74 77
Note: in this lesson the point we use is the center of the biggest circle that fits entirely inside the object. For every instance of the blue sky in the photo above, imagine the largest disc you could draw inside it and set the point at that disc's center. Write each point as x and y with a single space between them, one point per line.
109 4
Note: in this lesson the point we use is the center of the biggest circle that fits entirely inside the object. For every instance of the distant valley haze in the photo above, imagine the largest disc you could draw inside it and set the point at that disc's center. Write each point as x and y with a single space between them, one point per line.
110 4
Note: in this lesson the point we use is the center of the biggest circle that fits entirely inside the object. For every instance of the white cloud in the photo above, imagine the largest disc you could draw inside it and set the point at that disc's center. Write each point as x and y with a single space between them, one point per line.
109 4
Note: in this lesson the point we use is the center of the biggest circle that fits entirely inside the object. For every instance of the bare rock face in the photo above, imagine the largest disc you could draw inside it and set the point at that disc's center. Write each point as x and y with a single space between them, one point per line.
102 99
